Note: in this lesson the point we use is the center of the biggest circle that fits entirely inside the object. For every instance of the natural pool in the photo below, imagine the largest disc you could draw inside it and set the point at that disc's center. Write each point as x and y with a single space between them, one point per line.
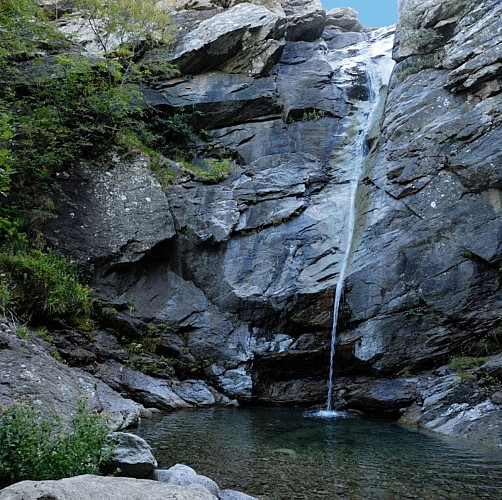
283 454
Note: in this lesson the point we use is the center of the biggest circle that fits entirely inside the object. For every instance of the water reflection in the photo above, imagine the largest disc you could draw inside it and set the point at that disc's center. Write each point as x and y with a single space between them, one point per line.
281 454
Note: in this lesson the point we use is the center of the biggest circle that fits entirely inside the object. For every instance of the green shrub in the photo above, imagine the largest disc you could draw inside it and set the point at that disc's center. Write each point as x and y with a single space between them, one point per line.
43 284
459 363
36 447
214 169
413 65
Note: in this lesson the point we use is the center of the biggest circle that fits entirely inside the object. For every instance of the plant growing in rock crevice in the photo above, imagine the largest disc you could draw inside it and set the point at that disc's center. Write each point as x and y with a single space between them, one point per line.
422 41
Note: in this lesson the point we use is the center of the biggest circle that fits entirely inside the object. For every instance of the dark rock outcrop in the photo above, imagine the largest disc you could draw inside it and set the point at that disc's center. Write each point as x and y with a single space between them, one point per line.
29 371
245 38
425 278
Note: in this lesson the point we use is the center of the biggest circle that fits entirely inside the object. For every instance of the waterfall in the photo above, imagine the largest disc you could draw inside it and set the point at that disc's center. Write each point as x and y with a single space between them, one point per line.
374 58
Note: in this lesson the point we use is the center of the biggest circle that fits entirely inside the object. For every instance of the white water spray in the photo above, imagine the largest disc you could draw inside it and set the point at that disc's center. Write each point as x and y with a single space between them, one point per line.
374 57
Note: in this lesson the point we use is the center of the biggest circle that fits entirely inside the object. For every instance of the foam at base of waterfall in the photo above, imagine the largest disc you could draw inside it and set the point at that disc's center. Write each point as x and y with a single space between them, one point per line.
327 414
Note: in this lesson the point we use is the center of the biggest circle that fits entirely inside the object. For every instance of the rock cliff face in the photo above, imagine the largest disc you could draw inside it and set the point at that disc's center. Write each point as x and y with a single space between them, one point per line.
240 274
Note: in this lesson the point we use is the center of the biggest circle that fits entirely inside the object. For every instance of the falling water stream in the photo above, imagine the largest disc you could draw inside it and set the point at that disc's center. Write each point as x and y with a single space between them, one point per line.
374 58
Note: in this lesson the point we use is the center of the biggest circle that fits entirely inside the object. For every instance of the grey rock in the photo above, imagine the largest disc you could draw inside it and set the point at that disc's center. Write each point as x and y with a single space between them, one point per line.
380 396
234 495
306 19
27 370
132 455
250 32
256 257
344 18
106 488
160 393
183 475
199 393
456 407
493 367
473 53
116 210
236 383
418 277
149 390
496 398
222 99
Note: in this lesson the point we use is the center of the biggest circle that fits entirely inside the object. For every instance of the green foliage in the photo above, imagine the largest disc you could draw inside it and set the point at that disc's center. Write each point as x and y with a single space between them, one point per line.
423 40
214 169
43 332
6 167
466 254
22 332
489 345
22 26
35 447
5 294
128 23
490 384
458 363
43 284
413 65
109 312
313 114
418 311
168 135
70 106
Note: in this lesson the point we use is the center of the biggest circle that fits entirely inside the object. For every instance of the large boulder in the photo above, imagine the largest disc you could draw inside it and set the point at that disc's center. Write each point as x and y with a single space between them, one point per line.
160 393
132 456
183 475
306 19
344 18
104 488
456 405
222 99
114 208
493 367
243 39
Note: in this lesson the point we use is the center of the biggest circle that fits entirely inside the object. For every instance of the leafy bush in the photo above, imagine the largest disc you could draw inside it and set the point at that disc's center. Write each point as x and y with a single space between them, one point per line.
43 284
413 65
459 363
36 447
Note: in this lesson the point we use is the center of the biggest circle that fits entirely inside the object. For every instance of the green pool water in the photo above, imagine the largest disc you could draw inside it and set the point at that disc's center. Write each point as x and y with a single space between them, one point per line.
288 454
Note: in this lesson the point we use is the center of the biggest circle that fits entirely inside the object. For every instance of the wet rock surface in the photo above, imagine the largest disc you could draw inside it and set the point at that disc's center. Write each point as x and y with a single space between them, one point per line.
418 286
